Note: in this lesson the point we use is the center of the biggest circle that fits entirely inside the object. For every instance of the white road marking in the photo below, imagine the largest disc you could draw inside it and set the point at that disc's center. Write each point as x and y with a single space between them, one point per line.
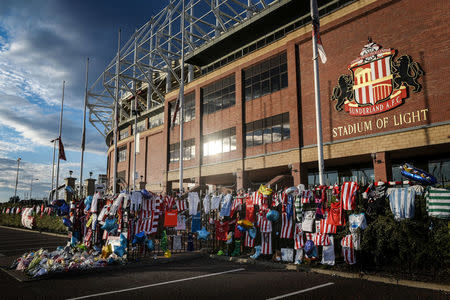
156 284
302 291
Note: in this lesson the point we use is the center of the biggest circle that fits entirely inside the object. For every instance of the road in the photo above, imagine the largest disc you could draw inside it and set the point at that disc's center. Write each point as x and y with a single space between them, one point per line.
201 278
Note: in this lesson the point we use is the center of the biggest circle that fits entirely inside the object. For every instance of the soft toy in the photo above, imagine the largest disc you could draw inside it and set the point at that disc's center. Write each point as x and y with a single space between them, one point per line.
203 234
272 215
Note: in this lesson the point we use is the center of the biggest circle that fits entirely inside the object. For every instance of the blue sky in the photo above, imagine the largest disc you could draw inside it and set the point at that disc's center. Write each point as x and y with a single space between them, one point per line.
43 43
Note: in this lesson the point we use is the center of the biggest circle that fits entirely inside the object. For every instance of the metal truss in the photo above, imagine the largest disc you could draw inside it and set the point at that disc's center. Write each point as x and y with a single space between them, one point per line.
147 66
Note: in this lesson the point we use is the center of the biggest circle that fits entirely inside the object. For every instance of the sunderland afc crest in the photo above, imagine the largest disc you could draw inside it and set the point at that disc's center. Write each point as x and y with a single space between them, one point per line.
378 82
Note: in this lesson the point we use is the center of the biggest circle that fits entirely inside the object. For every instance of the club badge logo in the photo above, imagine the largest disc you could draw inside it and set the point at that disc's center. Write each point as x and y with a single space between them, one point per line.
378 82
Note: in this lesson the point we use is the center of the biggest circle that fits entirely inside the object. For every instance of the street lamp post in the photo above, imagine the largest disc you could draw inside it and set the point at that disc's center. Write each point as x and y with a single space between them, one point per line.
17 178
31 186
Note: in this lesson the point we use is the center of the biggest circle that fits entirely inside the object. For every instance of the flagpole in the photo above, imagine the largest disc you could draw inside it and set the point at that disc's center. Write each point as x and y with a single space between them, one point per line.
135 113
53 170
83 135
59 138
182 99
116 116
315 23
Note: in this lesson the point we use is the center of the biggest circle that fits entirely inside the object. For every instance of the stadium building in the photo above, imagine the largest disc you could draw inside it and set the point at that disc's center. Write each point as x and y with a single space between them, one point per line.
249 112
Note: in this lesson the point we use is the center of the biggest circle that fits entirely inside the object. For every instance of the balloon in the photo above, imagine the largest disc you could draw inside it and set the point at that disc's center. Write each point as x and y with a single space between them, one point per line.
245 223
220 252
69 189
63 210
292 189
309 246
88 200
203 234
110 225
123 240
120 251
272 215
145 193
252 232
139 238
106 251
416 174
67 222
240 228
167 254
265 190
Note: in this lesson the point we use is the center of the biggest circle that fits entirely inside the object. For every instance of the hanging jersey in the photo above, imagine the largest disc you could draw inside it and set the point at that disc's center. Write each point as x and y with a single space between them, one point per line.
206 204
181 205
401 201
249 209
169 203
257 198
215 202
286 227
193 200
328 257
298 236
348 192
236 205
266 243
249 242
357 221
321 239
349 255
264 224
438 203
298 209
308 221
335 215
325 227
306 196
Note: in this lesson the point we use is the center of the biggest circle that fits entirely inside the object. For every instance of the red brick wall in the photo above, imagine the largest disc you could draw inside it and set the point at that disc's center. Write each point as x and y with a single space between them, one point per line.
417 28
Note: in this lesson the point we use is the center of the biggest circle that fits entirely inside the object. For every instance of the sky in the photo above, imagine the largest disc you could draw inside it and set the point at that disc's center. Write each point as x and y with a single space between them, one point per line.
42 43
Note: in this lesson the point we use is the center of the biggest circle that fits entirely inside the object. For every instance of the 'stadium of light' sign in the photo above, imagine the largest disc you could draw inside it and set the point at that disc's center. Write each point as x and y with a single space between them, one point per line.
378 82
390 122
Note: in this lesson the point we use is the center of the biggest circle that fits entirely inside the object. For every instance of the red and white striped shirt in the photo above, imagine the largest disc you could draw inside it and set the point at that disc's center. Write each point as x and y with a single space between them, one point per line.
181 205
325 227
349 255
306 196
264 224
321 239
298 236
257 198
266 243
286 227
347 241
348 192
169 203
249 242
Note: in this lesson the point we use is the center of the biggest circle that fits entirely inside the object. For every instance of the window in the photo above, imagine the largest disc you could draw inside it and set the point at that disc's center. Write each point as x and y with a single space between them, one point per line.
266 77
140 126
123 134
189 109
122 154
219 142
156 120
188 151
268 130
219 95
286 126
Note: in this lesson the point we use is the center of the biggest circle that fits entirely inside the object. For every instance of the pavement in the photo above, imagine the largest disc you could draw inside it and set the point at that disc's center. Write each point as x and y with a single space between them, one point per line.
192 276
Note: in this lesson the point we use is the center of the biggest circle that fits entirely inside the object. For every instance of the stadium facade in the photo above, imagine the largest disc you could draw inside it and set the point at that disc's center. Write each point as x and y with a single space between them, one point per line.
249 101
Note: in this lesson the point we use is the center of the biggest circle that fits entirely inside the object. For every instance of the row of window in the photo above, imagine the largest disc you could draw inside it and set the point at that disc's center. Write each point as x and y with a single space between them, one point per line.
266 77
269 130
219 142
122 153
219 95
188 151
189 109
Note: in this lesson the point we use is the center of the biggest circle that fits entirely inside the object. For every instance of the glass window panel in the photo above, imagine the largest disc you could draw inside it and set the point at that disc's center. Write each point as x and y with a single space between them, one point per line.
284 80
257 137
283 68
248 93
274 62
274 71
276 128
275 83
205 149
267 138
226 144
256 90
192 151
232 98
265 87
286 126
265 75
283 57
233 142
249 134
